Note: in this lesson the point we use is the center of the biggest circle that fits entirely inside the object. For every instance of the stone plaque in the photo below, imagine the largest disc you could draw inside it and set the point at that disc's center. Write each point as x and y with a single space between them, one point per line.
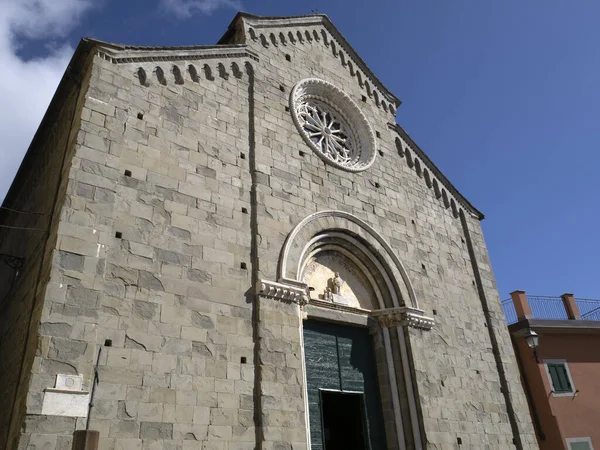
63 403
67 397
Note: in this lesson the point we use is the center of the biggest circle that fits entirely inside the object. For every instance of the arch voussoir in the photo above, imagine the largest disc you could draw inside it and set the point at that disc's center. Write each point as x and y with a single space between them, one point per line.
323 221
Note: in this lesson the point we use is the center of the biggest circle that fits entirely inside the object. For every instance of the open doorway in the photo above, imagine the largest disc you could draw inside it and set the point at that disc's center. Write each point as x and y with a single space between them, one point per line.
342 388
343 420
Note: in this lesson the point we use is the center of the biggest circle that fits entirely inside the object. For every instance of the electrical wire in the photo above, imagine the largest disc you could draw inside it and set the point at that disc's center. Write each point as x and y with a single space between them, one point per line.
27 259
21 228
24 212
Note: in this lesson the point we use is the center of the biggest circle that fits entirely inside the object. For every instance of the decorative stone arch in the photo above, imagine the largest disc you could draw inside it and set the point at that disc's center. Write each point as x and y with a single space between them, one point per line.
193 73
355 234
395 305
177 74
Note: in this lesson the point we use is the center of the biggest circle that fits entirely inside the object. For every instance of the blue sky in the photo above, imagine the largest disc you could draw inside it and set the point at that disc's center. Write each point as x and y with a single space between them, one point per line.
503 96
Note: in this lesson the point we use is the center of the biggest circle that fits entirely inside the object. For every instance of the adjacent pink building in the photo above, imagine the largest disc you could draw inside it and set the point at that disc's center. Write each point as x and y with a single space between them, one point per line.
558 351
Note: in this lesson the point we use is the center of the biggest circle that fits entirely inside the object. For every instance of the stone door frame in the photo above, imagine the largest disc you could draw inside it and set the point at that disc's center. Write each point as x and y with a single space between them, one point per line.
393 291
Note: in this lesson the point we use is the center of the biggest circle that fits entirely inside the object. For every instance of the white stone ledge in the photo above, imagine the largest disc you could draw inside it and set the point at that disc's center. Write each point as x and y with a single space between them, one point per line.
281 291
403 316
65 402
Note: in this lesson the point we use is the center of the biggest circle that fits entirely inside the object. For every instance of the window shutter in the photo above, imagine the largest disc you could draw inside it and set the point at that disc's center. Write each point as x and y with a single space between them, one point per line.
560 379
579 446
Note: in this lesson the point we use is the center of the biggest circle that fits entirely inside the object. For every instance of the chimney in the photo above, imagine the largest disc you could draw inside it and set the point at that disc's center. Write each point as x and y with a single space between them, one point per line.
571 307
522 308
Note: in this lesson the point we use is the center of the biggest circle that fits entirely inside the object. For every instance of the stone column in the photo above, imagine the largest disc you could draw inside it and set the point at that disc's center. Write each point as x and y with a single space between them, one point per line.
522 308
280 378
571 307
398 318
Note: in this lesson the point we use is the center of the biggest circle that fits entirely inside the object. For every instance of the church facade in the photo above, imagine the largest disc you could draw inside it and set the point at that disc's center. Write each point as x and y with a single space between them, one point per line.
249 252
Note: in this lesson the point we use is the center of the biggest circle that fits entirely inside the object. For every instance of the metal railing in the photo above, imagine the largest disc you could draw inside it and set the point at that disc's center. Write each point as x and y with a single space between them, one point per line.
553 308
509 311
589 308
547 307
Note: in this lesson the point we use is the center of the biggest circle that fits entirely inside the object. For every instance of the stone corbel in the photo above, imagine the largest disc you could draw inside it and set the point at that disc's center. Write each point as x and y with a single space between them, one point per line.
403 316
295 293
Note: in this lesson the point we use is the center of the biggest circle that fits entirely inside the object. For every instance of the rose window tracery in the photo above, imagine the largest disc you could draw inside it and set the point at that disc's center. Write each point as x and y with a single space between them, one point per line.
332 125
327 130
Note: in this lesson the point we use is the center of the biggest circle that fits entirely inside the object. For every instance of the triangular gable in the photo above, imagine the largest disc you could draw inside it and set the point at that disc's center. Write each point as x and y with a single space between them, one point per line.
257 26
272 31
226 49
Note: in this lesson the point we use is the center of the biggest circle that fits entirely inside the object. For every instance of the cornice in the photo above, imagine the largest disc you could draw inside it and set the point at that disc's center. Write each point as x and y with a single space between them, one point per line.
555 326
294 293
119 54
403 316
338 307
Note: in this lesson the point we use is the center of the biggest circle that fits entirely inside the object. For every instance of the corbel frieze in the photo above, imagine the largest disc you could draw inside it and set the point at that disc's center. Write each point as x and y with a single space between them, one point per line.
403 316
295 293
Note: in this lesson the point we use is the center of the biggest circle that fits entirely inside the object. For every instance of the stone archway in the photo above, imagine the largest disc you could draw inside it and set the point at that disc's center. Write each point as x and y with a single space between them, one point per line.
357 234
334 250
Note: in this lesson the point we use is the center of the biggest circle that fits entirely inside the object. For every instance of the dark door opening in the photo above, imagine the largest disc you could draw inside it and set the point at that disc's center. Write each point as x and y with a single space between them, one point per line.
340 361
343 420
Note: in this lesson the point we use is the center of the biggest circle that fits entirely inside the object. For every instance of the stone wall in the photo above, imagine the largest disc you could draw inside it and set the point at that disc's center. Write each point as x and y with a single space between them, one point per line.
158 258
456 374
187 177
281 384
37 193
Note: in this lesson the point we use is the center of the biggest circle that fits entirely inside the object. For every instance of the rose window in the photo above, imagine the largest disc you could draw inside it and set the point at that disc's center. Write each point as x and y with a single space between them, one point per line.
327 131
332 125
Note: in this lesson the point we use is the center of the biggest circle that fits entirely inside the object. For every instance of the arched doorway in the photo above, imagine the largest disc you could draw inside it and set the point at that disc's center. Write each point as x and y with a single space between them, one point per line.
355 300
341 359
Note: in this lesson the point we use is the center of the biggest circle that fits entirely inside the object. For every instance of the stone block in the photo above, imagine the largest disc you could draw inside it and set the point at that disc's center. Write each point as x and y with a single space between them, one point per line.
175 315
217 256
202 321
128 444
149 412
156 430
43 441
185 397
121 375
124 429
220 432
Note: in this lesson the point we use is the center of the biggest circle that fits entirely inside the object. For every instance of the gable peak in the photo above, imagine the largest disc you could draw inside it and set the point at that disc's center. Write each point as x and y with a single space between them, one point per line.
245 26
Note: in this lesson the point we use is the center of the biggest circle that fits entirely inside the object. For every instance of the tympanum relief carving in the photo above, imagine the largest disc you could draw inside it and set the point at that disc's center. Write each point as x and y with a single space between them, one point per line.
335 278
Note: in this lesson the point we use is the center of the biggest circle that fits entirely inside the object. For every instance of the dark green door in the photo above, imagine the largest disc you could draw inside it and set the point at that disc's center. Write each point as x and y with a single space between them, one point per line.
343 392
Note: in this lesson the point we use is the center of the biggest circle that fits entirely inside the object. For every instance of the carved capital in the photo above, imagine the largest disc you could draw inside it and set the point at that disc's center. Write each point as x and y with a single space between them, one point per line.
284 292
403 316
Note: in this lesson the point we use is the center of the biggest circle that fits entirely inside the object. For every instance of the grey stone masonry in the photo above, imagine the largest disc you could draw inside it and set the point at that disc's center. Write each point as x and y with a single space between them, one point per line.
33 218
281 387
184 176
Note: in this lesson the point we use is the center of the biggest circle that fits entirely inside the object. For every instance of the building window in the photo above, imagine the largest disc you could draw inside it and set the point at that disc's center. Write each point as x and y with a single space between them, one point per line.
584 443
559 377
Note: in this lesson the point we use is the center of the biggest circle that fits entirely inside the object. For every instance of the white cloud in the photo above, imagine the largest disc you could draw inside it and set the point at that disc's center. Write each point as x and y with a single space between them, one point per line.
28 86
184 9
